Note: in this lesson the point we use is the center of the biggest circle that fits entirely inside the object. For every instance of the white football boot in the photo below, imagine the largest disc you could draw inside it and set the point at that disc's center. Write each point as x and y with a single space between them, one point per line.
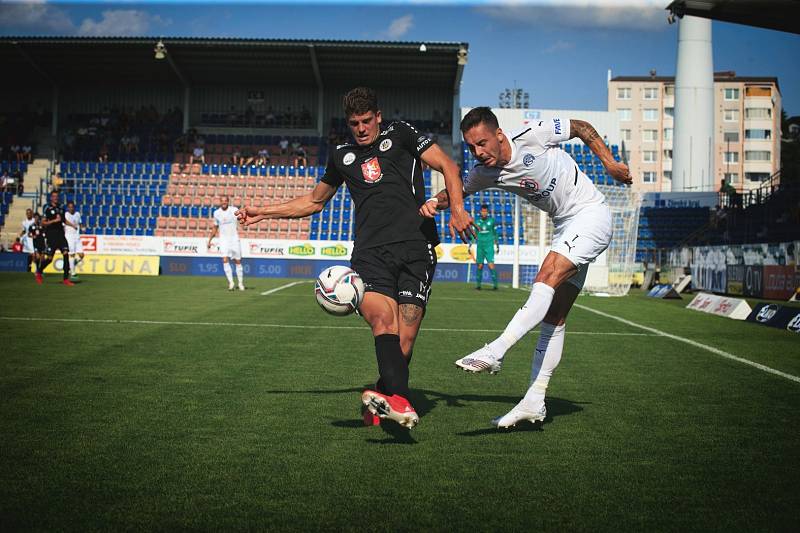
231 286
522 411
481 360
241 287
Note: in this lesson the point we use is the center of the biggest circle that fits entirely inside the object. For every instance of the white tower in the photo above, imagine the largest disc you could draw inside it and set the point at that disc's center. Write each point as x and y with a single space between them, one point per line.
693 140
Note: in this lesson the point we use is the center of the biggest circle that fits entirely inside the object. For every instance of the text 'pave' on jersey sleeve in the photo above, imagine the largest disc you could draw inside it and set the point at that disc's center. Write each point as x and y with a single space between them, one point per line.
386 183
540 172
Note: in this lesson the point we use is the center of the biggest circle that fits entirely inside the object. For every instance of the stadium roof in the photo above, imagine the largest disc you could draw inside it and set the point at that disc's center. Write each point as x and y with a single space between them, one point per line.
773 14
67 60
718 76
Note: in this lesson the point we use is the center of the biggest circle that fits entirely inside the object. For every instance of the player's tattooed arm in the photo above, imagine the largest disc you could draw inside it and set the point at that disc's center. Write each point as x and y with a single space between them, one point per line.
586 132
410 314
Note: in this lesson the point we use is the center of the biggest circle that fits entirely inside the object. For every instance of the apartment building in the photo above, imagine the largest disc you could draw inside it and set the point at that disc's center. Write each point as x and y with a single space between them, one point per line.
747 114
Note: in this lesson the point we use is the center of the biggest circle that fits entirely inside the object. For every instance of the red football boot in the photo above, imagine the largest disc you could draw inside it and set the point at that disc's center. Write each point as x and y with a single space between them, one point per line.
393 407
369 418
68 283
39 278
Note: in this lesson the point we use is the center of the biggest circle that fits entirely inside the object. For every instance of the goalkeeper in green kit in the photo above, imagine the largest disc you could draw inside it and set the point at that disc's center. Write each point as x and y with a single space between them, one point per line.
486 246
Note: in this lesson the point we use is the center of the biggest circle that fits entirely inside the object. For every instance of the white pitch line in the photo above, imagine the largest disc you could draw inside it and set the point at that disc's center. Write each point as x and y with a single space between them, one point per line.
276 289
716 351
284 326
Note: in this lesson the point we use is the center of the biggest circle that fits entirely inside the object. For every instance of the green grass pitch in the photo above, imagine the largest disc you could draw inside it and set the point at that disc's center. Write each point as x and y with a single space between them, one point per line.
142 410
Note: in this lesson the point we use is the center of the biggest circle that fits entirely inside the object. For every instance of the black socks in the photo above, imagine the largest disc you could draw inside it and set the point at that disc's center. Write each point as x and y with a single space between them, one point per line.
392 366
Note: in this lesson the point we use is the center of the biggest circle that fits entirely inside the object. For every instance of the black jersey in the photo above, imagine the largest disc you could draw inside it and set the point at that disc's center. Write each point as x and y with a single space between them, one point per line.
36 232
50 213
385 181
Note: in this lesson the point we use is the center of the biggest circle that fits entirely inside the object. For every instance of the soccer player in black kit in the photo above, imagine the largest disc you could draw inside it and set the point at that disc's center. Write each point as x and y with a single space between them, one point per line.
394 245
53 223
36 234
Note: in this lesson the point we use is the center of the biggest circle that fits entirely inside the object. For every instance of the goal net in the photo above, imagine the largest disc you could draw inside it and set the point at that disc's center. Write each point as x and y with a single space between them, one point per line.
611 274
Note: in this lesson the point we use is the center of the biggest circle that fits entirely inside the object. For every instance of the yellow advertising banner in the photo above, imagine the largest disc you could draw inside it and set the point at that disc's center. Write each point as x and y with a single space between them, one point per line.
119 265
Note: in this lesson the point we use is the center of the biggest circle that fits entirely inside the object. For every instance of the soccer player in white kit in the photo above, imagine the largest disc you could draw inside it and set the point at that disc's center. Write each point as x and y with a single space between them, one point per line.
72 232
226 224
27 242
530 164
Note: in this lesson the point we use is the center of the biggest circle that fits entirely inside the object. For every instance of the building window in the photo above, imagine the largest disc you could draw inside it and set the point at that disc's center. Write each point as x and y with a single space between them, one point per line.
625 135
731 136
667 134
731 177
731 94
667 174
758 91
649 135
669 112
756 176
624 114
730 115
669 90
757 155
651 93
758 134
730 157
757 112
668 153
649 114
649 177
626 155
649 156
623 93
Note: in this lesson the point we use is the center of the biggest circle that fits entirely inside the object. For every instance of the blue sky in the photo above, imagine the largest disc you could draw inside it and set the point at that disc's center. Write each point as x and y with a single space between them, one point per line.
558 52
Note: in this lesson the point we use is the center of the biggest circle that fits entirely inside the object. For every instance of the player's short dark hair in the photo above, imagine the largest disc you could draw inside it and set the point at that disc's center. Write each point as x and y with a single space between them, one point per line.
70 203
53 192
359 101
485 206
476 116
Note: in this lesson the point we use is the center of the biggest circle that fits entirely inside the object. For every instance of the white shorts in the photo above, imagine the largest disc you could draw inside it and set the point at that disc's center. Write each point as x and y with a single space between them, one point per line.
74 244
27 245
231 249
582 238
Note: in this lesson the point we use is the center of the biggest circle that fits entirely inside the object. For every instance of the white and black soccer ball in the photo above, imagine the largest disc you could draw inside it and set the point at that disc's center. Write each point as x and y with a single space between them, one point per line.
339 290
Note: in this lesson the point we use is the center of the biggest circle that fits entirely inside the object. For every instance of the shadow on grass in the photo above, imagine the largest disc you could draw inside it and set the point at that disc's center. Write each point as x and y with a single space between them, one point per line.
555 407
424 401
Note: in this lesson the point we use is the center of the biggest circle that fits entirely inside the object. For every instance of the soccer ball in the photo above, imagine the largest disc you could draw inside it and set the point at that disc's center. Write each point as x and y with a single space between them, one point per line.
339 290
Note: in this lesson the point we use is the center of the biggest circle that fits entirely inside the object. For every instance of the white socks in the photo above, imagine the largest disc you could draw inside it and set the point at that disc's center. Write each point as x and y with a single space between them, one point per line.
545 360
228 272
527 318
240 274
71 265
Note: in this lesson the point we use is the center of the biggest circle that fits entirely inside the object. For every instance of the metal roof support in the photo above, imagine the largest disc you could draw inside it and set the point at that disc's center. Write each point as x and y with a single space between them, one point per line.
187 90
320 100
461 60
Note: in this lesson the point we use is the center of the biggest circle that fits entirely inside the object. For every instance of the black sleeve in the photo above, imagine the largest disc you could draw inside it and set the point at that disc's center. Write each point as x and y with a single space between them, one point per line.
332 175
412 139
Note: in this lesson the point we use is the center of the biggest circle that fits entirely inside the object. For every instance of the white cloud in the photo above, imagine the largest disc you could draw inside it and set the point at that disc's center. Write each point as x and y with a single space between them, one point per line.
35 15
584 14
121 23
399 27
559 46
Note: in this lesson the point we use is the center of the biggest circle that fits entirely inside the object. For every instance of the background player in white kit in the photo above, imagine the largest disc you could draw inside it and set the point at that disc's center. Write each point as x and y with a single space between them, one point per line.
530 164
226 224
27 242
72 231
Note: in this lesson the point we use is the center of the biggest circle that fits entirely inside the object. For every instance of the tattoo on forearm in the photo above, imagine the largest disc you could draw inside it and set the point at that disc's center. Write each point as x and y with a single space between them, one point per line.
410 313
585 131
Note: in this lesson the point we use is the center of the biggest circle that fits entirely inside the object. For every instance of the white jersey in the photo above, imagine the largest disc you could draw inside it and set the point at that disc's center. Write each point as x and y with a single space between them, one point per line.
227 223
27 242
540 172
74 218
26 224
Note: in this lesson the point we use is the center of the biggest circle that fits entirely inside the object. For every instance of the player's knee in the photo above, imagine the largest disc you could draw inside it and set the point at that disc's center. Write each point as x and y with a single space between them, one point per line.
382 324
407 344
555 318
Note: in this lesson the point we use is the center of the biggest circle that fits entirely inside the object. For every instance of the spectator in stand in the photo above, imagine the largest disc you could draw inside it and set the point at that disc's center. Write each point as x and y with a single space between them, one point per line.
247 157
16 151
17 246
236 157
134 144
198 155
4 181
269 118
263 157
125 144
102 155
299 153
27 153
284 146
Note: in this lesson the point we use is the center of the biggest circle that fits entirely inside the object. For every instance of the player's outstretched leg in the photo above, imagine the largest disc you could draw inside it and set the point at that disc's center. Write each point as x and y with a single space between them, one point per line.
393 402
545 360
240 275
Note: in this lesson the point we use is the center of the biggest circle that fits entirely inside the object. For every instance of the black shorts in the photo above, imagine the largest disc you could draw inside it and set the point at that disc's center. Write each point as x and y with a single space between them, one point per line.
40 246
57 242
402 270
